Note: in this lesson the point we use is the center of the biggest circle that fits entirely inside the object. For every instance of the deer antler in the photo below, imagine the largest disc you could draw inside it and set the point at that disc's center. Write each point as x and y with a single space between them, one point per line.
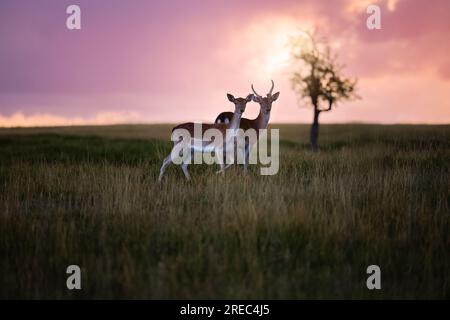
255 91
271 89
270 92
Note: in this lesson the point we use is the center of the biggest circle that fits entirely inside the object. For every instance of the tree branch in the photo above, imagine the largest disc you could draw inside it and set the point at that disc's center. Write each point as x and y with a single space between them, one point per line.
330 104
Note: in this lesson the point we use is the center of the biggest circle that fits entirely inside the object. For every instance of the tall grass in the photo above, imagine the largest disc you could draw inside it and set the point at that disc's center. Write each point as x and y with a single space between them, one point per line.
372 195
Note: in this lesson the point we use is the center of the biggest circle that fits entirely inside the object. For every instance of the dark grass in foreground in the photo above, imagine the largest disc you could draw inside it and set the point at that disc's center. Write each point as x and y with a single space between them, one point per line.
89 196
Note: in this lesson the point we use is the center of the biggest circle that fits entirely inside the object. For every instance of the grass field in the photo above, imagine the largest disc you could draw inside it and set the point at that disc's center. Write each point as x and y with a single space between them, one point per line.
89 196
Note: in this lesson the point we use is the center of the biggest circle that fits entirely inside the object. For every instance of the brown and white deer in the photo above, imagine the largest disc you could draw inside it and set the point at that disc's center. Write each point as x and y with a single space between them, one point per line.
260 122
227 130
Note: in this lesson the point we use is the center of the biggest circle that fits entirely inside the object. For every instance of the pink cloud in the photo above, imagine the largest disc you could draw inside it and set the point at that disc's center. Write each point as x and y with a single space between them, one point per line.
19 119
175 61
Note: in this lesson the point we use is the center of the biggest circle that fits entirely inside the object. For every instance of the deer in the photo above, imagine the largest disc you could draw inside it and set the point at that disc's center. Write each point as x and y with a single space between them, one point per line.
217 148
260 122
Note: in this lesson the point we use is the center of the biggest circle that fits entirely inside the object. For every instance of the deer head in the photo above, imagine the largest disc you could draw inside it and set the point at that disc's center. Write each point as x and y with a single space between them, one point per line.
266 102
239 103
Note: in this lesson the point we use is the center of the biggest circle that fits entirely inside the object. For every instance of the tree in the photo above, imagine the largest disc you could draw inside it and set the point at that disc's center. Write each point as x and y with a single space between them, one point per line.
319 78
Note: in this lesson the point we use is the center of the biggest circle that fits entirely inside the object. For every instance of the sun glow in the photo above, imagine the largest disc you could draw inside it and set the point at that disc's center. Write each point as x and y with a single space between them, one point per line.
271 41
277 59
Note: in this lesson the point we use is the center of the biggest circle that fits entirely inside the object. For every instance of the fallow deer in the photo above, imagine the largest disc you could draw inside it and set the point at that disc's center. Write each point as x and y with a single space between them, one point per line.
233 126
261 122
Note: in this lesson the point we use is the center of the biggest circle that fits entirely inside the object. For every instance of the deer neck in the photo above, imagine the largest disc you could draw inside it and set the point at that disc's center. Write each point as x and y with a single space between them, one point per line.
262 120
235 121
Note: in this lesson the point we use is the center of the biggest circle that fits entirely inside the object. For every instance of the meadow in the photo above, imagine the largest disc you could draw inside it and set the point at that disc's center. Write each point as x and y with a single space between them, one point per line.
89 196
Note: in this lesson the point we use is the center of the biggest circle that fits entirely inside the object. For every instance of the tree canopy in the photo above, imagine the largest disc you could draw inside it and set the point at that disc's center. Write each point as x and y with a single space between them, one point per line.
319 76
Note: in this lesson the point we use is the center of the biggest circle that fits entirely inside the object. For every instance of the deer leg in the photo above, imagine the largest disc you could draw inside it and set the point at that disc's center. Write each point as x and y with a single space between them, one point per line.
222 163
225 165
222 169
166 162
184 166
224 158
232 162
226 155
246 157
233 155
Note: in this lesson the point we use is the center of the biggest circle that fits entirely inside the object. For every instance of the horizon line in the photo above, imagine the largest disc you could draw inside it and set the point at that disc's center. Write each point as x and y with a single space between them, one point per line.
275 123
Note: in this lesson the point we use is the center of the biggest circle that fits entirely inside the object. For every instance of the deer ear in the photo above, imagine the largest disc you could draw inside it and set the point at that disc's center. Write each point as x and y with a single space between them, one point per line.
256 99
275 96
230 97
249 97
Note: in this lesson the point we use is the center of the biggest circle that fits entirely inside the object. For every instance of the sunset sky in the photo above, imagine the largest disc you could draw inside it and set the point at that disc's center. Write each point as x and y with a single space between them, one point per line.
170 61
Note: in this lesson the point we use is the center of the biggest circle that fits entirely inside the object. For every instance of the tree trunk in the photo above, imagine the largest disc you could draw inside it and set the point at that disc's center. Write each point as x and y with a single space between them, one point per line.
315 131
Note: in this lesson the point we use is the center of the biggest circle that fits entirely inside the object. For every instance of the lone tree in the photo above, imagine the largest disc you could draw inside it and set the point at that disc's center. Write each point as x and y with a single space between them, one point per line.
319 78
